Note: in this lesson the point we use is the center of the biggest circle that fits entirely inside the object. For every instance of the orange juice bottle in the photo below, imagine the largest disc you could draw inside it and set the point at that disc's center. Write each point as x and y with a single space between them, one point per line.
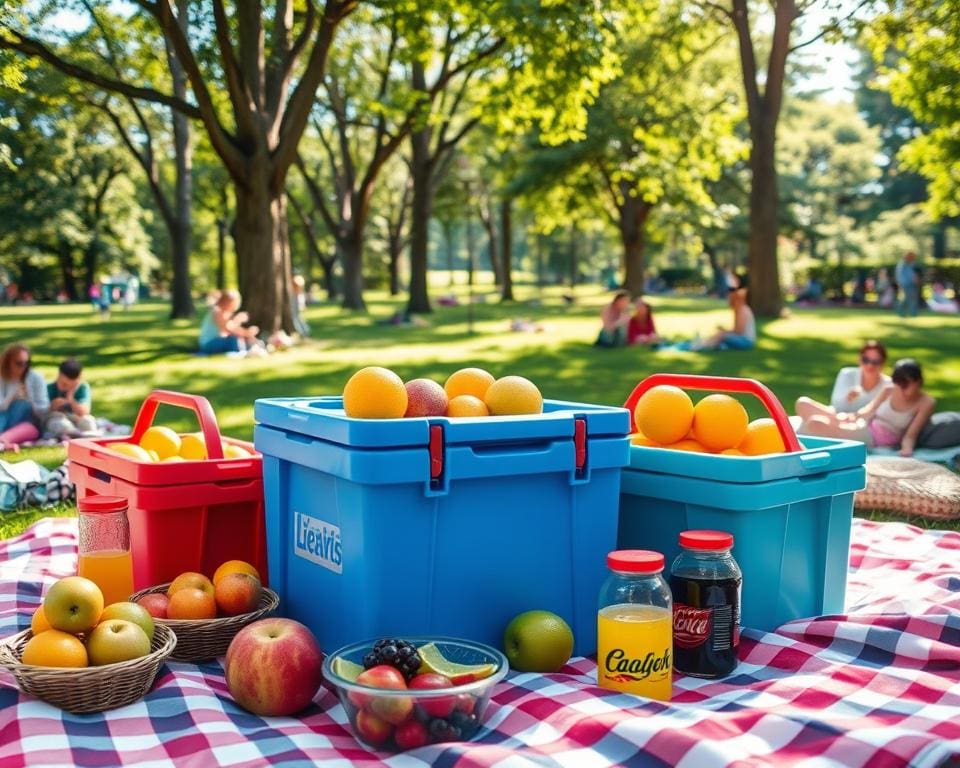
635 626
105 556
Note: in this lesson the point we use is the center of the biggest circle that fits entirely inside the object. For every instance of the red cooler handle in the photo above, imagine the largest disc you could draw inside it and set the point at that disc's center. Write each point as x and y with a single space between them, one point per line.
199 405
721 384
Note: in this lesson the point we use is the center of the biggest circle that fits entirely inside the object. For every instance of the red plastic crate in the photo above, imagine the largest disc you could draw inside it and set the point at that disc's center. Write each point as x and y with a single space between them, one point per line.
184 516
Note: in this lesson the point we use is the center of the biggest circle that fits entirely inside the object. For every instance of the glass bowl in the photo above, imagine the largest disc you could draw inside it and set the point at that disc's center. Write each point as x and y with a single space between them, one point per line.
395 719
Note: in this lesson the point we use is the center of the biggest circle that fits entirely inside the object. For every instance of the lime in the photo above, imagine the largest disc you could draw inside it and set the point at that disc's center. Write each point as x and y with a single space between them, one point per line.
346 669
458 674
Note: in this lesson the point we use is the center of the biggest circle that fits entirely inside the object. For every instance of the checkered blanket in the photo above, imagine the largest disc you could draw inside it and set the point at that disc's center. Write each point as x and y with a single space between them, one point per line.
877 687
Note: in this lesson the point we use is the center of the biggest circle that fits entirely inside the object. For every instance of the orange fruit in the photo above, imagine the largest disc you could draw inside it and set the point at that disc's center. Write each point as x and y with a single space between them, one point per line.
732 452
192 603
375 393
161 440
234 566
192 447
54 648
468 381
762 437
190 580
231 451
719 422
638 438
687 445
664 414
467 405
39 621
513 396
130 450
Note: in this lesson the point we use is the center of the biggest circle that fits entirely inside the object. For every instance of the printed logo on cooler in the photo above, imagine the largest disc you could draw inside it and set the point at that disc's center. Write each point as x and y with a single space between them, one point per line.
319 542
691 626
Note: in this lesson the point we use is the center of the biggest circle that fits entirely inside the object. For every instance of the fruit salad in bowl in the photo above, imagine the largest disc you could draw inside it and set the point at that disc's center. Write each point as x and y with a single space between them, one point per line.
404 693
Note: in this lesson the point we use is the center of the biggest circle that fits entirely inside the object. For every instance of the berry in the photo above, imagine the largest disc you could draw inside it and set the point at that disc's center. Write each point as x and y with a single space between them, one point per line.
411 735
443 730
398 654
466 724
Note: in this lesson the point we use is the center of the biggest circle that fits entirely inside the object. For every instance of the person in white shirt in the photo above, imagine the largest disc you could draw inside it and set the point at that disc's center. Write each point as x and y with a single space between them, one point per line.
854 388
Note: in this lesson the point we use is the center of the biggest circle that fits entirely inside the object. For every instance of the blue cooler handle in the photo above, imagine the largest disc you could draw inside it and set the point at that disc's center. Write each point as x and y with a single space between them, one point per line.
721 384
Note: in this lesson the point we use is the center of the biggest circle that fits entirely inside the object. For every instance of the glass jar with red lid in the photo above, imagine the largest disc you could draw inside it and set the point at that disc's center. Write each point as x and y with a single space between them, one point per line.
705 582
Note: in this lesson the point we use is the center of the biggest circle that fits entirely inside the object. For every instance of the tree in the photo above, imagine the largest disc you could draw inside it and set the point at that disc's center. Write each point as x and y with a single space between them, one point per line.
256 66
924 37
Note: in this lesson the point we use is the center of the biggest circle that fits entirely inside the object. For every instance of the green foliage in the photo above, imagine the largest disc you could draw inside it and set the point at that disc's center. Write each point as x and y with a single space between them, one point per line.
925 34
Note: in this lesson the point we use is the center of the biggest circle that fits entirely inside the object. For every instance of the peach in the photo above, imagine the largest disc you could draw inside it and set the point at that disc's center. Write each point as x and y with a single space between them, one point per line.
237 593
425 398
156 604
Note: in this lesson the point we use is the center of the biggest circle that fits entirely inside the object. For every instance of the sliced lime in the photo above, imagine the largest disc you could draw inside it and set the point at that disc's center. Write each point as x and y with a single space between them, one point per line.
458 674
346 669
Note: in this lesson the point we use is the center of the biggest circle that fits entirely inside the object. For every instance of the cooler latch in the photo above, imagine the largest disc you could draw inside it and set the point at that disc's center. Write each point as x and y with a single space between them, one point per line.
436 455
580 446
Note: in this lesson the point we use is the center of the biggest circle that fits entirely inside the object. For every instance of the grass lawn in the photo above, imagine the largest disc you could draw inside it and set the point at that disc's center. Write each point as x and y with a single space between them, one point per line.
139 350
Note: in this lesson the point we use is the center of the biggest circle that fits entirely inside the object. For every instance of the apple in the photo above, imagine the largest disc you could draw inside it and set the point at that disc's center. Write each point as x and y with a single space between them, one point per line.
441 706
190 580
73 605
117 640
156 604
537 641
466 703
237 593
393 709
411 735
273 667
372 729
131 612
425 398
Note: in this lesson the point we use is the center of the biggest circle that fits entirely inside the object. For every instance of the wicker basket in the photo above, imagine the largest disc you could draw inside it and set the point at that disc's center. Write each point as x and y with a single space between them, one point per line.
205 639
88 689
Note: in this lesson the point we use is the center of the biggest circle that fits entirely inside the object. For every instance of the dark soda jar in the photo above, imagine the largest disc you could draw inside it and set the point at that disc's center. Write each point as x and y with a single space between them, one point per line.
705 581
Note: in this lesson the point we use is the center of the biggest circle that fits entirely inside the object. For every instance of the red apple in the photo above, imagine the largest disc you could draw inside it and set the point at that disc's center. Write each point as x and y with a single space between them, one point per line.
425 398
393 709
466 703
372 729
411 735
237 593
441 706
273 667
156 604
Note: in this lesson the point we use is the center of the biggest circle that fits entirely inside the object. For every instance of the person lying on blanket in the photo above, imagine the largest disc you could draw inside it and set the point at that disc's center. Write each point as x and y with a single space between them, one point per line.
894 417
23 398
70 403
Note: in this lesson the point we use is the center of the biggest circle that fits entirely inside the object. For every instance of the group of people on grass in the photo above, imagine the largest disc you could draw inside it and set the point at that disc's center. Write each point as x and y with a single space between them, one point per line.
626 323
30 407
869 406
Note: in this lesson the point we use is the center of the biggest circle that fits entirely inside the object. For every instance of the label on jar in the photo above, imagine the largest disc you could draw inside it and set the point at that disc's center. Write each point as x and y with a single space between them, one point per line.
691 626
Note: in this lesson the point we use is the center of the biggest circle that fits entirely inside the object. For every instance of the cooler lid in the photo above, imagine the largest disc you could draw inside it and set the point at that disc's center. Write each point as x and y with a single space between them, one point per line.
323 418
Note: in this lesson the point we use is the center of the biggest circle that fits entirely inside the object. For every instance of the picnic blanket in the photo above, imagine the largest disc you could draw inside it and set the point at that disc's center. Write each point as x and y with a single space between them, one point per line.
105 427
877 687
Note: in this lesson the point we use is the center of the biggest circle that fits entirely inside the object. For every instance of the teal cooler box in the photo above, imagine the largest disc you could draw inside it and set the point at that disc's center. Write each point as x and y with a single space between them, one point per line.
395 527
789 513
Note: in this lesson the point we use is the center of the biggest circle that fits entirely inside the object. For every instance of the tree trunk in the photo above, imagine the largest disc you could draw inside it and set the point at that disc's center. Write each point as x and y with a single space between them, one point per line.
351 256
65 257
421 172
506 237
940 240
221 254
448 240
263 262
633 235
471 249
762 266
574 264
329 284
395 248
180 236
719 277
489 225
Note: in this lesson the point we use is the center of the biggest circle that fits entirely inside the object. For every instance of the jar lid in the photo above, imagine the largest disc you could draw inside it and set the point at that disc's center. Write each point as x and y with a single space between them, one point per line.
98 504
635 561
706 540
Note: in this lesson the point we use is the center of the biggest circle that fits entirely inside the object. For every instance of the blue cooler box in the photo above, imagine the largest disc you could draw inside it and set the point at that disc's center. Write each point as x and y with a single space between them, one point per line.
789 513
395 527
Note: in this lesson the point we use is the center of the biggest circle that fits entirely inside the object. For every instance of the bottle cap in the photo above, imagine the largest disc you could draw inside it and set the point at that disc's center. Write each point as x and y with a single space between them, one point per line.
635 561
709 541
98 504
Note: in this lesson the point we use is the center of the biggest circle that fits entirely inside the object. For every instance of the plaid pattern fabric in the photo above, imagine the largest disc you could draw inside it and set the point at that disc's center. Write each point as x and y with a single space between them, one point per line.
877 687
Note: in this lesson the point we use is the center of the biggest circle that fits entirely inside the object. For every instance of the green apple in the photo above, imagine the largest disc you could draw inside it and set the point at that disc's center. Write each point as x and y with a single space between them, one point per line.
537 641
116 640
130 612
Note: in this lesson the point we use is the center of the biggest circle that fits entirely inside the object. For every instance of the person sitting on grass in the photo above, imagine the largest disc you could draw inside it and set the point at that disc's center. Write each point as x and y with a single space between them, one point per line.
743 335
854 387
615 318
23 398
894 417
223 330
640 329
70 403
